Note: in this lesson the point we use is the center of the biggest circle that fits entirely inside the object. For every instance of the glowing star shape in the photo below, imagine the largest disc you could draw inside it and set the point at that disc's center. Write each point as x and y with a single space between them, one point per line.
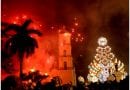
102 41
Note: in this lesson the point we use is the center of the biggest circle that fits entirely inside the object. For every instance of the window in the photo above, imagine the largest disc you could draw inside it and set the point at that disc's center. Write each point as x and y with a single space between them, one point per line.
65 65
64 53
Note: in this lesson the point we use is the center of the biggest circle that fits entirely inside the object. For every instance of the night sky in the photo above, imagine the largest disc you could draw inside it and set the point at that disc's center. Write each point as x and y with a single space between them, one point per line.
108 18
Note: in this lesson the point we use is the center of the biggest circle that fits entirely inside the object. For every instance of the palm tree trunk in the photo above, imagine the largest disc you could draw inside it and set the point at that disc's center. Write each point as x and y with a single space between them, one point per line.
21 66
21 69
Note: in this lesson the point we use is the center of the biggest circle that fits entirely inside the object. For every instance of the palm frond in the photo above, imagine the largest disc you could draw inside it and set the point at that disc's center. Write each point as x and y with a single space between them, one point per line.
26 23
3 34
11 27
33 31
4 56
21 43
4 24
10 46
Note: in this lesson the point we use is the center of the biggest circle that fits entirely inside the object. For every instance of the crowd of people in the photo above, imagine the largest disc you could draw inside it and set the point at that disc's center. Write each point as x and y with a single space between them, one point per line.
14 83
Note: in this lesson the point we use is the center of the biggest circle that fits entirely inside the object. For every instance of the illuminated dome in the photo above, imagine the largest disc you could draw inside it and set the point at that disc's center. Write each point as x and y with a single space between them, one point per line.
102 41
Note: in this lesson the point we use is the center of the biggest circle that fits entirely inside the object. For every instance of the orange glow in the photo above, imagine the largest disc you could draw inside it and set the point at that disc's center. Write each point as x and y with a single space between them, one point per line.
24 17
29 80
14 22
67 34
44 57
32 70
59 30
46 74
17 17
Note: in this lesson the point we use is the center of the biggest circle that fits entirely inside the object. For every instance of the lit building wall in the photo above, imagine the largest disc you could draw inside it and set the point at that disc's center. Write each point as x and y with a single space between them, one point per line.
66 68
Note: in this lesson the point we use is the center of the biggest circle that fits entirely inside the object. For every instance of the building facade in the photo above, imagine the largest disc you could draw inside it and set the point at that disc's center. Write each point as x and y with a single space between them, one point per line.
65 62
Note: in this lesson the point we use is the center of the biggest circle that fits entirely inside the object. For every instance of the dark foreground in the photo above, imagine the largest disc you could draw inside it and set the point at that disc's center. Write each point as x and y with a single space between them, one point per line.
12 83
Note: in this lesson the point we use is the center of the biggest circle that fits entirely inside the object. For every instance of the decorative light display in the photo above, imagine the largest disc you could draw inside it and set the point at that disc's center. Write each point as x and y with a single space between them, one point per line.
102 41
105 66
81 79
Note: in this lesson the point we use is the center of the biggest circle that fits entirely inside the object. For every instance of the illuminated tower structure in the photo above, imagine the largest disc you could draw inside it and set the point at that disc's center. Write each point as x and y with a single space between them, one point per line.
65 62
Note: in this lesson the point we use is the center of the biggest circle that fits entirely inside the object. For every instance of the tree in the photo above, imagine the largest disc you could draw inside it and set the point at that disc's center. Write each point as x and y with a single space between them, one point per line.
10 83
21 42
105 66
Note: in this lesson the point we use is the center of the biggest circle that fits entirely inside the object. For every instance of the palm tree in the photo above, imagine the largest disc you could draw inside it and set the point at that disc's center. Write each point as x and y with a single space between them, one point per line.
5 57
21 43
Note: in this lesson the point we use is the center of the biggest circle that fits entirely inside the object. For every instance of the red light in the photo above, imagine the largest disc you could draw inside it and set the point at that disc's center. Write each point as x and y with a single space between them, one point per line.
76 24
59 30
76 40
40 25
72 29
17 17
75 18
52 27
14 22
81 40
24 17
10 44
79 35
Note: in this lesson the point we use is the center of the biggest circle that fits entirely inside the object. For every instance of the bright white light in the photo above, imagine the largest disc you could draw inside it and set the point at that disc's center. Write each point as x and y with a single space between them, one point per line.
81 79
32 70
102 41
46 74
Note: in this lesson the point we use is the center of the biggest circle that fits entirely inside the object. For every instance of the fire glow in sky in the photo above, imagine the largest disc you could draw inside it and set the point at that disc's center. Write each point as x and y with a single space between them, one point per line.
44 59
86 20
